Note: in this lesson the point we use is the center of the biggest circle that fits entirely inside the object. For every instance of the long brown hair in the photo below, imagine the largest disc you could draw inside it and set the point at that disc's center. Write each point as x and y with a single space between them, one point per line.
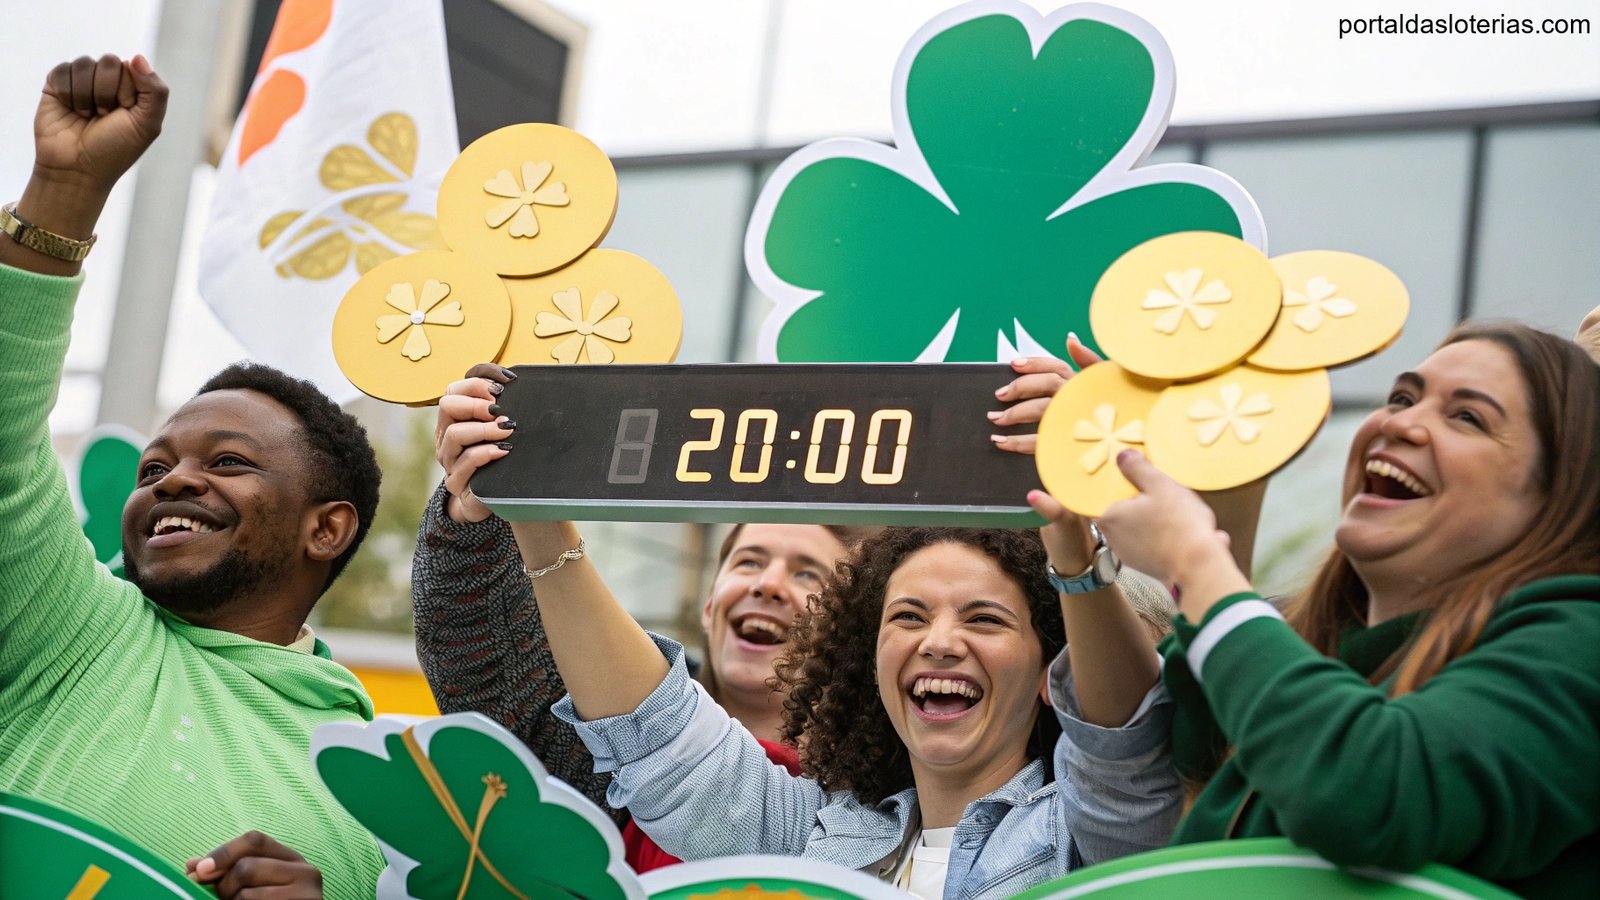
848 535
1563 385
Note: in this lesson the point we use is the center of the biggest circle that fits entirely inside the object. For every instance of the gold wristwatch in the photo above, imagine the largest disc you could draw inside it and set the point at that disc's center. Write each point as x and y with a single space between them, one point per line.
47 242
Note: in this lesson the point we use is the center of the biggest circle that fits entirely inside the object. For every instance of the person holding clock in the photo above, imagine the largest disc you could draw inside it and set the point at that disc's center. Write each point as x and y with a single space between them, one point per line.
947 678
1433 696
481 640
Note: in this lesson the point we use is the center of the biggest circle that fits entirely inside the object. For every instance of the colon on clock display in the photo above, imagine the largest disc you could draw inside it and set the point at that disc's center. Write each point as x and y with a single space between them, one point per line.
889 444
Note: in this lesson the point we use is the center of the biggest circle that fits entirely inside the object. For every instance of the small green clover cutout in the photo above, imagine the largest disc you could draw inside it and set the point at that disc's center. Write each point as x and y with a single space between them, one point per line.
461 809
103 476
1013 183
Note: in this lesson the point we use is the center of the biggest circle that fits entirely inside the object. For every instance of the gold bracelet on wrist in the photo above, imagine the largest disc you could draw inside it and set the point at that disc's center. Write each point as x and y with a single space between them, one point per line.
566 555
47 242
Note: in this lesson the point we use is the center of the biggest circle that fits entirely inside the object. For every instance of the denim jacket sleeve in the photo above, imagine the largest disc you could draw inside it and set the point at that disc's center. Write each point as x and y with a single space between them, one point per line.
694 779
1120 793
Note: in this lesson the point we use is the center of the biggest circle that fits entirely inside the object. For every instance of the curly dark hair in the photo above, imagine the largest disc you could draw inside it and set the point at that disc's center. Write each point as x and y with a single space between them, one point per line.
345 467
833 711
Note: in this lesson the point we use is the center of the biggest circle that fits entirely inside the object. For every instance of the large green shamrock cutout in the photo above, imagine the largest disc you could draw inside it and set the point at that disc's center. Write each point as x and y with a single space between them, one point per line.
461 809
1013 183
105 473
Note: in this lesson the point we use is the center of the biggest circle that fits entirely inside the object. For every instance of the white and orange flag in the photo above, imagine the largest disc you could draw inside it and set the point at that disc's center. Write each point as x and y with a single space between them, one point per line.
333 167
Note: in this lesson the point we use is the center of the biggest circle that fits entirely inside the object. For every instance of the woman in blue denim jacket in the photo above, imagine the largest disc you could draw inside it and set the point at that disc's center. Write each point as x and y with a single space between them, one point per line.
931 698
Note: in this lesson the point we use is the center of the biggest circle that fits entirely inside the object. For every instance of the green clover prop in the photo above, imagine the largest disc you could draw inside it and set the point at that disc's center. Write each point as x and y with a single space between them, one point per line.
1256 867
49 852
105 473
761 877
1013 182
461 809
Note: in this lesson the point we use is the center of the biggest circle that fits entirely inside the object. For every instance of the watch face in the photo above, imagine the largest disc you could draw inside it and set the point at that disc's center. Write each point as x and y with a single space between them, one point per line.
1106 565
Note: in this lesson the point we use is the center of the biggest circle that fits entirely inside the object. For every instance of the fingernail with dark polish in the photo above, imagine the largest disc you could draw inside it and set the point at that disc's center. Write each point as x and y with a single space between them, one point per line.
494 409
503 445
496 387
508 424
510 375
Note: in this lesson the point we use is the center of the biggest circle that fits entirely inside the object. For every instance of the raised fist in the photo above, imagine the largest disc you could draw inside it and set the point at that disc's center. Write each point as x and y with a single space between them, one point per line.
95 119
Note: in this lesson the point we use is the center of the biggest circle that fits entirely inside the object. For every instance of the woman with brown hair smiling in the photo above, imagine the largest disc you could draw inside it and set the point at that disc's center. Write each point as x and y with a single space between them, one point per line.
1434 695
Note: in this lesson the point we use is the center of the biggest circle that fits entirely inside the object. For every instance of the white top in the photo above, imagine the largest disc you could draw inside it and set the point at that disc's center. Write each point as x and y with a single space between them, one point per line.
305 641
924 872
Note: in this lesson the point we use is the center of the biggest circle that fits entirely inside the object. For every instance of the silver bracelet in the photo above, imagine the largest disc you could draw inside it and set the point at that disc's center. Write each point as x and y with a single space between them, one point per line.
575 553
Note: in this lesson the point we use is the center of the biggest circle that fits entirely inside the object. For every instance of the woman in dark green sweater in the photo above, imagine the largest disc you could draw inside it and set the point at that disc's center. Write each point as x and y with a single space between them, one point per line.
1434 695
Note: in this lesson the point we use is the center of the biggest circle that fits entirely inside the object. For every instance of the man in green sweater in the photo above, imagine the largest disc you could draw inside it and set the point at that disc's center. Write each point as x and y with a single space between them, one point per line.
178 712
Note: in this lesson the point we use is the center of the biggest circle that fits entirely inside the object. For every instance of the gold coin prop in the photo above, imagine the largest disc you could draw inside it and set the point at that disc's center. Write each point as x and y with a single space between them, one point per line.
414 324
1098 413
609 306
527 199
1337 308
1235 427
1185 305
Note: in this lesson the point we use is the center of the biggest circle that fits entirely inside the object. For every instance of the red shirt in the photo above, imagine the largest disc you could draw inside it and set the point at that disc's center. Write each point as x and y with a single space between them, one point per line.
643 854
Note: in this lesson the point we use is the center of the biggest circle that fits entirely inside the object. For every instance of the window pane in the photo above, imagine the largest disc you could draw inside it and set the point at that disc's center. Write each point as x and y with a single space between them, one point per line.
1539 244
688 221
1398 199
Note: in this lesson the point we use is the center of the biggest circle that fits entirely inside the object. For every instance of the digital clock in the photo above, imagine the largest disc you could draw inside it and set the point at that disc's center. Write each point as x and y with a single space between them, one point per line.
845 444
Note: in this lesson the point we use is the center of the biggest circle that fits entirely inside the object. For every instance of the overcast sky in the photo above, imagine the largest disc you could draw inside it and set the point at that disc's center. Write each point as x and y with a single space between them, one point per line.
670 75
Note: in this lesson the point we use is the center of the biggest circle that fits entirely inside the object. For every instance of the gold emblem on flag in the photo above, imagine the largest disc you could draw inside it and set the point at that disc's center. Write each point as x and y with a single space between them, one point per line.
369 224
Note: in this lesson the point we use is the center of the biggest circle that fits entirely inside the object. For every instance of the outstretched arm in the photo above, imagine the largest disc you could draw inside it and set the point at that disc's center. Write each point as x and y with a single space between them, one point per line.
94 119
1111 653
1169 532
609 664
1238 510
480 638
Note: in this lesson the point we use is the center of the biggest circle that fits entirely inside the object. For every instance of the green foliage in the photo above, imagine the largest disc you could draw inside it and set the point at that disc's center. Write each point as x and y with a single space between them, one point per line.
374 593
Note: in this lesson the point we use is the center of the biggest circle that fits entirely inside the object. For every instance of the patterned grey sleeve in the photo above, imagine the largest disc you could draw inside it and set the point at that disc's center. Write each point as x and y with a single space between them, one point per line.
482 643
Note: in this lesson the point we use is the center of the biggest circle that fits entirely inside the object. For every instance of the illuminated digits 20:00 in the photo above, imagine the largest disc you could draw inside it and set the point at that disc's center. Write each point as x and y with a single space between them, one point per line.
742 472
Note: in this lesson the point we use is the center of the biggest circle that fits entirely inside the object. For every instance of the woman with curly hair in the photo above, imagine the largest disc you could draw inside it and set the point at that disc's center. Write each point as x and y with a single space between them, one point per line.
928 693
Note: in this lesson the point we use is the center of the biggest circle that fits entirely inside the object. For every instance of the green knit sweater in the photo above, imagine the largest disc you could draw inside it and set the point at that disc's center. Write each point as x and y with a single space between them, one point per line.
1492 766
178 737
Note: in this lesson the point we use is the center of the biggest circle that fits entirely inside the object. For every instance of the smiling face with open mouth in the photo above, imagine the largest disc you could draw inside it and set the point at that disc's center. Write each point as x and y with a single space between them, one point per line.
220 504
1447 474
760 589
961 671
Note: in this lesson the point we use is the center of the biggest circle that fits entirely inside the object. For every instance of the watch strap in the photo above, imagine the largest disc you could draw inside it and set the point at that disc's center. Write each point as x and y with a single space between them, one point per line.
1086 583
1091 580
47 242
